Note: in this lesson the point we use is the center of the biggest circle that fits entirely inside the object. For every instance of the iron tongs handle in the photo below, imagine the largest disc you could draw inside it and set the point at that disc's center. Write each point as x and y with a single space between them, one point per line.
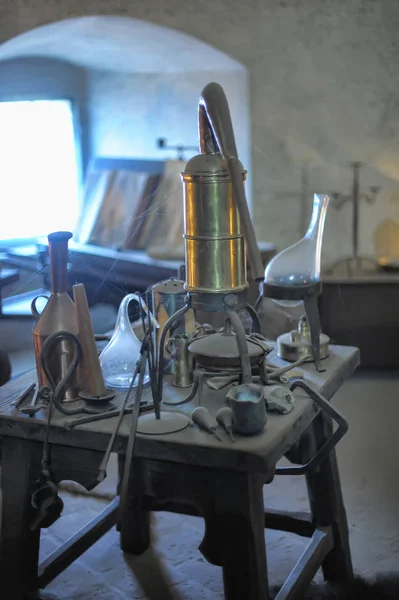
329 444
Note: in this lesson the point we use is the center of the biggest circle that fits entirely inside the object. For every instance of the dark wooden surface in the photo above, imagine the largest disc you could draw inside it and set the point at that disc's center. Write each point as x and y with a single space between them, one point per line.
327 507
191 446
362 312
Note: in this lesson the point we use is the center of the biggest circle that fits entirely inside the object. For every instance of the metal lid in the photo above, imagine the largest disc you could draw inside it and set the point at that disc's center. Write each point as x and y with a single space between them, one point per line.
221 345
169 286
59 236
208 165
292 340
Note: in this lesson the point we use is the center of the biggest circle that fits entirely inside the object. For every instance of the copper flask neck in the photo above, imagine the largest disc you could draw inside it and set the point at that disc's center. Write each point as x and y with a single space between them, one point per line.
58 250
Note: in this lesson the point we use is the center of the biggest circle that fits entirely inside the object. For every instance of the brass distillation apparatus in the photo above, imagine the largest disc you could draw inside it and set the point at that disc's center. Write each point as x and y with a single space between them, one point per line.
219 236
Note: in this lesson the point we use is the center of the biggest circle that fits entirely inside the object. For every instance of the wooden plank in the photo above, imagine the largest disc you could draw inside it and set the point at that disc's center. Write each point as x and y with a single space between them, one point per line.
328 509
299 523
231 504
305 569
19 546
243 548
134 525
67 553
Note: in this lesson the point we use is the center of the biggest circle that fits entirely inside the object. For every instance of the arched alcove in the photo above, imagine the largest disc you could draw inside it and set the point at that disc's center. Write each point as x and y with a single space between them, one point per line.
142 80
132 82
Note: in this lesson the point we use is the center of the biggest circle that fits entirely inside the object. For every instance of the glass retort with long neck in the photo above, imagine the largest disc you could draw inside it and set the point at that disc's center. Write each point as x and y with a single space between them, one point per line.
300 264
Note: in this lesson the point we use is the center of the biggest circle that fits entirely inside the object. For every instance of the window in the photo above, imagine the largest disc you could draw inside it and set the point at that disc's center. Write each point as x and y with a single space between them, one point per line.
39 174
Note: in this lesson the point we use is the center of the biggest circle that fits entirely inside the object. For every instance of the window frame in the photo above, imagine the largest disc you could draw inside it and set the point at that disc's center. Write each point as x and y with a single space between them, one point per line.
76 111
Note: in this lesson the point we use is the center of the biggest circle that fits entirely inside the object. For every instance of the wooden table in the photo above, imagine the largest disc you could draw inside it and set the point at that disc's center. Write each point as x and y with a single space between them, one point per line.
188 472
362 311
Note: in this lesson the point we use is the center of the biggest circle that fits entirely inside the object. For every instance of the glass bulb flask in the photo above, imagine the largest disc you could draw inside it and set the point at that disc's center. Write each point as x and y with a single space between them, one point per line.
300 264
118 359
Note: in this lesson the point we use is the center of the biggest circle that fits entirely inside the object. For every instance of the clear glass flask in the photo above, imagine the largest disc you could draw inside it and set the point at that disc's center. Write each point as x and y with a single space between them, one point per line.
300 264
118 359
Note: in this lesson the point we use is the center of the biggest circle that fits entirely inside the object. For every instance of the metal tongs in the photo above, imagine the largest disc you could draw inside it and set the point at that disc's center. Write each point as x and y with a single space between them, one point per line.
135 407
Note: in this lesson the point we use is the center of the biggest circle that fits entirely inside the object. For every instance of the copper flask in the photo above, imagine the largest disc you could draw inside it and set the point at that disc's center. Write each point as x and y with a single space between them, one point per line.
59 314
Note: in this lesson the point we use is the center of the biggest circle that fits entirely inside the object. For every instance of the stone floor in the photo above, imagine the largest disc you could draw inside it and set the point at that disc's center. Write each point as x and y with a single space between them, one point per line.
174 569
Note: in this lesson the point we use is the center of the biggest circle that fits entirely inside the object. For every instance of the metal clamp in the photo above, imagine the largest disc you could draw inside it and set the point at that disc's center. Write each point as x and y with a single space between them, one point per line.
329 444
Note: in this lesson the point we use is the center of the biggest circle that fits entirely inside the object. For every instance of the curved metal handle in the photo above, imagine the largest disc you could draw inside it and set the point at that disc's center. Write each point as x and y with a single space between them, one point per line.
34 311
216 134
170 346
136 296
329 444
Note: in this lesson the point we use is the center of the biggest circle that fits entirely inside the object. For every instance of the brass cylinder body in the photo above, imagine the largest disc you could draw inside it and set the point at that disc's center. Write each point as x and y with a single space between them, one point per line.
214 241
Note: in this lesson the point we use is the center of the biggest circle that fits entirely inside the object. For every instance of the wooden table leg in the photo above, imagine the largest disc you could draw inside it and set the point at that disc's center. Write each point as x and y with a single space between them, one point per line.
242 528
19 547
134 524
327 506
232 505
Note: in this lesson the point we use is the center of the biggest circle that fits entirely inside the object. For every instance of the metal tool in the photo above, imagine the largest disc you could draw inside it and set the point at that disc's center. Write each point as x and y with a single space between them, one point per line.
45 499
160 422
224 417
201 417
72 423
24 394
140 369
33 407
127 478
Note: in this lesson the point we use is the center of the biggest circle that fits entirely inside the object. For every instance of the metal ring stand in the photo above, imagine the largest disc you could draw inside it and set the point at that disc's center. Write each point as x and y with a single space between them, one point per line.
163 422
228 301
309 295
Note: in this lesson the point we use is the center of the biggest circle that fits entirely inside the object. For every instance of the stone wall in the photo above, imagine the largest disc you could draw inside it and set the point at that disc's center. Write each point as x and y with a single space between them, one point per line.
323 85
128 112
